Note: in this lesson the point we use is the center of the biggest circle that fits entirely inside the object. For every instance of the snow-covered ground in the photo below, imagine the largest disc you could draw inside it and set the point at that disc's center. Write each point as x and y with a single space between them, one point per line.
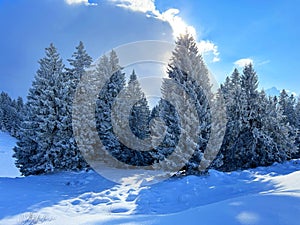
260 196
7 165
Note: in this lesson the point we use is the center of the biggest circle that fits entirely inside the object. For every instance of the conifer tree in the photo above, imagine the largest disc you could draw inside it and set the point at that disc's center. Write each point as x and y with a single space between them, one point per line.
11 113
275 132
256 134
297 138
288 105
109 67
140 113
79 62
187 68
39 149
235 103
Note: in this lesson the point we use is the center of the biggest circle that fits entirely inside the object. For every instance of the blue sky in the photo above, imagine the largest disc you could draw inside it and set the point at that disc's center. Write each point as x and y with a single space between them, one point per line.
229 33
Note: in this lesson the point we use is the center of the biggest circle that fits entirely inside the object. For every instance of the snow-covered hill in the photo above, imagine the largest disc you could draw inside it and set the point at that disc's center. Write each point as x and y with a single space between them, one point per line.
7 164
260 196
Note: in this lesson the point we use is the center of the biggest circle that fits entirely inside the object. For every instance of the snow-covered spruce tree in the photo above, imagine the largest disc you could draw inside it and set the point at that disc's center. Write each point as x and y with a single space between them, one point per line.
106 67
109 67
297 140
11 113
39 149
79 62
291 107
130 121
235 103
15 110
19 105
219 128
26 149
165 128
275 132
110 120
287 103
140 113
7 112
187 68
246 155
257 144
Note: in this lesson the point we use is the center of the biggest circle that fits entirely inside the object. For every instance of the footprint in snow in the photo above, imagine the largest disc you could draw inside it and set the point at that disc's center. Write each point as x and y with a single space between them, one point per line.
76 202
119 210
99 201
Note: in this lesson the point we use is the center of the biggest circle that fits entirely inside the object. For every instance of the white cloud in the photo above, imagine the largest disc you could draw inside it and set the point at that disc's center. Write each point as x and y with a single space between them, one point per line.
178 25
76 2
176 22
209 47
71 2
243 62
263 62
148 6
137 5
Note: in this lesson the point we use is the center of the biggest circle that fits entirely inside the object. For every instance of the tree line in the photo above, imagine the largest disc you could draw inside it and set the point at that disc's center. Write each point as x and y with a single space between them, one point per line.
11 112
259 129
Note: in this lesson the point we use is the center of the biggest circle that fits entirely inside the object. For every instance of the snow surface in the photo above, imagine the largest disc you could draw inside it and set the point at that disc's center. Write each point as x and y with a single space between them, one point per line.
263 196
7 162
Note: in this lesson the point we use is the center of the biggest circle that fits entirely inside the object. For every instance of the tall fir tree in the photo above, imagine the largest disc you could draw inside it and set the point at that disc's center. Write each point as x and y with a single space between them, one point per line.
132 127
288 105
247 156
297 139
109 67
39 150
79 63
166 130
235 103
26 149
140 113
219 127
20 114
187 68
